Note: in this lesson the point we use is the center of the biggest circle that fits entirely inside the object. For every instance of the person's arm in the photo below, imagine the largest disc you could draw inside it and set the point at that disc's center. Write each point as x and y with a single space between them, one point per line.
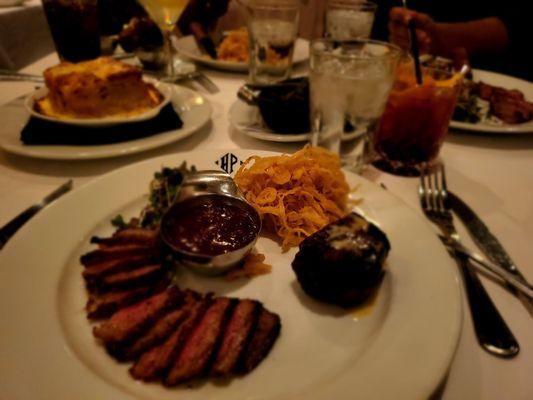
483 36
204 13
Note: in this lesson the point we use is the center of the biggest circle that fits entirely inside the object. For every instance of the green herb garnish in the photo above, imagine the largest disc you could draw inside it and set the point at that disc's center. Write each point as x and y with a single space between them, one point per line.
118 222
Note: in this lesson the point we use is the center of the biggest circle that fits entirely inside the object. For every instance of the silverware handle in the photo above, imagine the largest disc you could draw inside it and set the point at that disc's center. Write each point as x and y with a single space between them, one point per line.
8 230
207 83
491 330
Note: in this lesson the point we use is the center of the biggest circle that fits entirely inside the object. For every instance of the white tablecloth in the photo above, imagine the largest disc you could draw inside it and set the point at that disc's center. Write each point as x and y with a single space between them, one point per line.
24 35
494 174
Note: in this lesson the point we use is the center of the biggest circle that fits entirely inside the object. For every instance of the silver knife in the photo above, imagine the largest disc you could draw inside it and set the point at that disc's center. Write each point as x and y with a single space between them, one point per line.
9 229
511 279
487 242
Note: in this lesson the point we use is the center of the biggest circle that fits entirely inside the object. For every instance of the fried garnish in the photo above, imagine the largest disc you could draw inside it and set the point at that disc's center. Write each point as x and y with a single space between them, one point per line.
296 195
253 265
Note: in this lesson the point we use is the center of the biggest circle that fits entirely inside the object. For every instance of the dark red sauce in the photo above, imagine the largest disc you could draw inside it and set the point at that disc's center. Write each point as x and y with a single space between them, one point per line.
210 225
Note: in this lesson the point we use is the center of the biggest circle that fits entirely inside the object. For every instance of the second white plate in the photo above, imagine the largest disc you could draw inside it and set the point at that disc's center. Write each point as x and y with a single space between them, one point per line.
194 110
187 47
248 120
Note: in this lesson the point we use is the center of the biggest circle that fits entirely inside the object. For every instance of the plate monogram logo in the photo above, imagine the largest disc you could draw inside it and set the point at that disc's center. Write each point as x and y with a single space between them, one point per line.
228 162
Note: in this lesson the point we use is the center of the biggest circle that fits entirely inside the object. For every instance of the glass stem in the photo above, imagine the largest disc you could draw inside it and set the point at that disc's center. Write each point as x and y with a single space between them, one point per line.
170 53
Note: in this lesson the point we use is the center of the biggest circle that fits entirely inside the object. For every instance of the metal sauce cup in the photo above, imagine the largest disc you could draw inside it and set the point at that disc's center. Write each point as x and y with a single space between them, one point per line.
209 183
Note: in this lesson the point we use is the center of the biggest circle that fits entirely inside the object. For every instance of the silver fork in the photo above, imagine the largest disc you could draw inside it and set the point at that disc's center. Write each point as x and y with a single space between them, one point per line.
198 77
492 332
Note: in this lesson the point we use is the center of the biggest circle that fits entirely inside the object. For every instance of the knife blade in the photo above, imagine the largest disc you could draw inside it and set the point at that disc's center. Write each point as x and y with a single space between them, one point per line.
488 243
9 229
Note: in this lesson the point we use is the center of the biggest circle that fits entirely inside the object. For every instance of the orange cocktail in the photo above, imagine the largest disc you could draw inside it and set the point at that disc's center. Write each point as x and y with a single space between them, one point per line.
415 120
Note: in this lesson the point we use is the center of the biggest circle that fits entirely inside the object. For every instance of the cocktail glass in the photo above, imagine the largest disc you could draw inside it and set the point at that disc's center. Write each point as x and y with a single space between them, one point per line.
165 14
415 120
349 86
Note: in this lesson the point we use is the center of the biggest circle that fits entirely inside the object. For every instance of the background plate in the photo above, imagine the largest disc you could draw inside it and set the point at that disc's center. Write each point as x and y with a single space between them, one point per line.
194 110
398 348
507 82
187 47
164 89
248 120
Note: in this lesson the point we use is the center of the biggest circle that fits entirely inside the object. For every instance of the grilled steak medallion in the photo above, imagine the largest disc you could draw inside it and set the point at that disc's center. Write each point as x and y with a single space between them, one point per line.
343 262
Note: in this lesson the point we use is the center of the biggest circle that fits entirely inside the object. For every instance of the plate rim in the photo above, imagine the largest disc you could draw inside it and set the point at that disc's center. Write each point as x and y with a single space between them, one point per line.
75 153
509 129
426 386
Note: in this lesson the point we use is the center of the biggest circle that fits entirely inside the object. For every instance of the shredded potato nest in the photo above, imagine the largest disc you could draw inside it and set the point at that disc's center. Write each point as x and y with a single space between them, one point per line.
296 195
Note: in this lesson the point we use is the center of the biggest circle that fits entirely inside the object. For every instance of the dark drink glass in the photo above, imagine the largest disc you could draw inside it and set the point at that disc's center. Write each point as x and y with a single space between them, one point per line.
74 27
415 121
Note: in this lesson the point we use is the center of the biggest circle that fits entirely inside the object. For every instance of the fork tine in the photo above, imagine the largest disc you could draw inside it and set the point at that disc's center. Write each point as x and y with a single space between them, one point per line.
437 185
445 198
422 190
432 189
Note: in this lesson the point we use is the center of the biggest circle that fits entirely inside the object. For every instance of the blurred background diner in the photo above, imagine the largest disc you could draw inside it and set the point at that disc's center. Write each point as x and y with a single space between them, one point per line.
492 35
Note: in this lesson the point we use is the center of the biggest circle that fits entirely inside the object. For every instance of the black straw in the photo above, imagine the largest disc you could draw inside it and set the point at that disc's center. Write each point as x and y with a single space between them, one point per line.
415 51
414 46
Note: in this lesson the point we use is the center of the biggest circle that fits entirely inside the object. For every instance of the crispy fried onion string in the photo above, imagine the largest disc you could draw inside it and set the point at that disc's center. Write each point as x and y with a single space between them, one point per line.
297 194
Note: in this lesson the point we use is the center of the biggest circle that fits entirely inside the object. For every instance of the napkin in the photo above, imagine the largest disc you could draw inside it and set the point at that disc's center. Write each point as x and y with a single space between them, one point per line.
41 132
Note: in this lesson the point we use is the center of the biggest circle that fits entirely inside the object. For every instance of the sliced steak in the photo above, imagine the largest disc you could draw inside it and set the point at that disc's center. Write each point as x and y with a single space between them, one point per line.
130 321
197 351
147 237
94 272
163 328
117 252
235 337
265 334
155 362
128 279
103 305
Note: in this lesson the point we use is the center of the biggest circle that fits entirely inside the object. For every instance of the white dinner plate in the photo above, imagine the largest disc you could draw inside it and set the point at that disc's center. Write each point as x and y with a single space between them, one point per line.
163 88
247 119
187 47
194 110
399 347
507 82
